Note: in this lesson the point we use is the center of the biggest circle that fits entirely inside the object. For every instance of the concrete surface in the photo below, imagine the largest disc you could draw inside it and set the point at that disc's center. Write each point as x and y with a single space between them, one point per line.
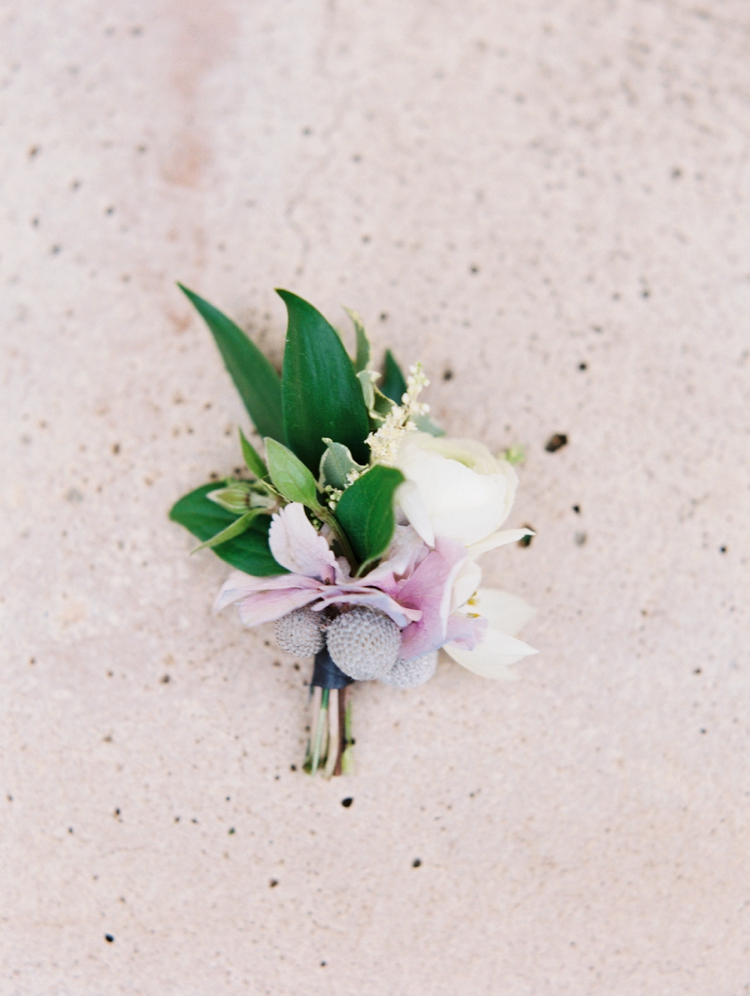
507 191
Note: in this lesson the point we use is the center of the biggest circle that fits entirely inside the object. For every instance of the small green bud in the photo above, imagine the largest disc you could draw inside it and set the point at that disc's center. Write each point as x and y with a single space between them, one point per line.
239 496
515 454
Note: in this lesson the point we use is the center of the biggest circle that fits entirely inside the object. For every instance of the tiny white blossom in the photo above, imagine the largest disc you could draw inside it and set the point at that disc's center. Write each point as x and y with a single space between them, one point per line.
384 443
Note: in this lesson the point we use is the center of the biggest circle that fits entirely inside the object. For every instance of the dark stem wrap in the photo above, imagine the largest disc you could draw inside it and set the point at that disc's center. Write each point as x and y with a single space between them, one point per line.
326 674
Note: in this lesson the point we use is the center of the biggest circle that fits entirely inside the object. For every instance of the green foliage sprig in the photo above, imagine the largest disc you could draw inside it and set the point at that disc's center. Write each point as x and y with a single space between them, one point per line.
315 420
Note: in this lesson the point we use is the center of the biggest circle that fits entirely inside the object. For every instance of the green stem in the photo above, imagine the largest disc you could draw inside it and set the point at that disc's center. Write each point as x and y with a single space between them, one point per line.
325 516
319 732
347 755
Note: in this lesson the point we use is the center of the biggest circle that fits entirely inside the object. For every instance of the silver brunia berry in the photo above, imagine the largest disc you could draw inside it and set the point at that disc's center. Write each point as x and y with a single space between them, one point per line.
364 643
299 632
411 674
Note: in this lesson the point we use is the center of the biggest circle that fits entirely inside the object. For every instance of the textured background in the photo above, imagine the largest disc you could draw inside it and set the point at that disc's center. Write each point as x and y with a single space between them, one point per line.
507 191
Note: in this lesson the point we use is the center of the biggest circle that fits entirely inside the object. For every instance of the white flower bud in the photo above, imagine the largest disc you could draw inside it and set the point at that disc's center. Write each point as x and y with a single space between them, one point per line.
364 643
453 488
299 633
411 674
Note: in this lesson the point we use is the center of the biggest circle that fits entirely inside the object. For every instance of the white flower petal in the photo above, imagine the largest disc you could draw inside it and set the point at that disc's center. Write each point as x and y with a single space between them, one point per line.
501 538
410 500
491 659
466 583
469 524
465 492
502 610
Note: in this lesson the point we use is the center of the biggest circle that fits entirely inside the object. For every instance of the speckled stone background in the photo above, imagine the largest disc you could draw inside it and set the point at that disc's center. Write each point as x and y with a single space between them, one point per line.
548 202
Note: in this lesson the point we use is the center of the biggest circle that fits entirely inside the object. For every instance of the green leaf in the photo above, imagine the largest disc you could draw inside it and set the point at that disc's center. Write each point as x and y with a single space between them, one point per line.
236 529
383 404
393 385
425 424
336 464
365 512
253 461
368 389
204 519
292 478
254 377
362 357
320 393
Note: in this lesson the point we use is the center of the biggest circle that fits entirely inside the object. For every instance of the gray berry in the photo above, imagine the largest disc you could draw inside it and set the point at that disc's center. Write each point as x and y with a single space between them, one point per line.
364 643
299 633
410 674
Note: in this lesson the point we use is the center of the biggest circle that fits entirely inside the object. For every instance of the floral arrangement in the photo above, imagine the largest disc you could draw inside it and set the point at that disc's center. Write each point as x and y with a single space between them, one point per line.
359 532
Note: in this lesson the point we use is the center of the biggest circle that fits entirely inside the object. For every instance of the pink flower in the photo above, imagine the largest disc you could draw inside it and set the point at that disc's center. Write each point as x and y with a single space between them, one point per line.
413 585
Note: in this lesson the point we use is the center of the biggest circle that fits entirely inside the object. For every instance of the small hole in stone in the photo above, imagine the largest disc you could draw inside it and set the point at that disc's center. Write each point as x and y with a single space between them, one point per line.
583 366
556 442
273 883
416 863
577 509
108 938
346 803
447 375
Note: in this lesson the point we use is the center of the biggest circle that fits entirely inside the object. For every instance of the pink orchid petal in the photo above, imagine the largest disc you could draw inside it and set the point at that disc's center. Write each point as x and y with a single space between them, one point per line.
297 545
429 589
466 631
377 599
406 551
268 606
239 586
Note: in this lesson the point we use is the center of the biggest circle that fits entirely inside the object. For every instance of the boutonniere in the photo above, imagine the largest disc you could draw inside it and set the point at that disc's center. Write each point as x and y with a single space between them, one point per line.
358 528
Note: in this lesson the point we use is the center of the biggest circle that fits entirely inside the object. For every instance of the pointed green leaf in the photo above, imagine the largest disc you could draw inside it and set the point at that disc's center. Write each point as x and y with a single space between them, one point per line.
253 461
425 424
393 385
235 529
368 389
336 464
321 395
362 357
292 478
253 376
366 512
204 519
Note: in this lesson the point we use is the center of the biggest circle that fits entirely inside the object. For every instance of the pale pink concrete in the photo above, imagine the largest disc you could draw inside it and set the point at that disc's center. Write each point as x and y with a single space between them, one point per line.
507 191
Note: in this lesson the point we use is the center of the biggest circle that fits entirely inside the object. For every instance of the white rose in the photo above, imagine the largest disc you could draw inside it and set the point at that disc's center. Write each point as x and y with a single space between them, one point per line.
457 489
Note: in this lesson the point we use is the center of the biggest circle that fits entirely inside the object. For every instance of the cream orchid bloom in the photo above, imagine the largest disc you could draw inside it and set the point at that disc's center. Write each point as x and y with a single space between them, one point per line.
505 615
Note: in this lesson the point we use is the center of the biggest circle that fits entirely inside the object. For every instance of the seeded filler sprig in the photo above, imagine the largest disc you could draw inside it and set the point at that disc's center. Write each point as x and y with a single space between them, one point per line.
357 533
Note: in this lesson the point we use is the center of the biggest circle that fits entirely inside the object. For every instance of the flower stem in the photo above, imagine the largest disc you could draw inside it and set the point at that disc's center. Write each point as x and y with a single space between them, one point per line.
315 693
347 755
330 520
320 732
334 737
